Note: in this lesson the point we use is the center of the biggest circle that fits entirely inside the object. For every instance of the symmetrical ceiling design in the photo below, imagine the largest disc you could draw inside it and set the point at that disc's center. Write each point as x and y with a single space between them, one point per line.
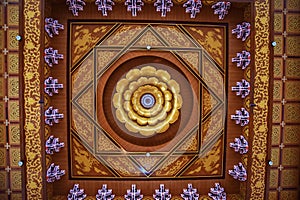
126 55
85 164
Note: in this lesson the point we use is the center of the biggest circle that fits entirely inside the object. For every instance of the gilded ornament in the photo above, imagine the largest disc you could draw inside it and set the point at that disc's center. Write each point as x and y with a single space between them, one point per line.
85 39
16 178
192 59
15 156
84 161
292 69
191 144
172 166
174 36
292 45
82 126
209 161
14 114
212 42
293 21
147 100
148 162
149 39
291 134
13 87
292 111
13 15
31 88
123 35
13 44
123 166
261 98
86 101
13 63
105 145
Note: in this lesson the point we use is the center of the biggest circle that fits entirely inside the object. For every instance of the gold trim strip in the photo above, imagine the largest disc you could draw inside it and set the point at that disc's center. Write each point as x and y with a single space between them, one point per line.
261 99
31 54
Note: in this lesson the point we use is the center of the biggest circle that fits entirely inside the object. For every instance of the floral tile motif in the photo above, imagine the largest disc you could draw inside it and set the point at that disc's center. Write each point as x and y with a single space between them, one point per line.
14 134
13 87
276 134
293 5
16 178
278 49
273 178
290 178
292 45
3 180
12 43
13 14
16 196
15 156
292 111
273 195
2 133
2 88
293 21
13 63
275 156
292 68
278 22
14 114
277 68
294 194
2 111
291 134
290 156
2 157
278 4
2 62
276 114
292 90
277 90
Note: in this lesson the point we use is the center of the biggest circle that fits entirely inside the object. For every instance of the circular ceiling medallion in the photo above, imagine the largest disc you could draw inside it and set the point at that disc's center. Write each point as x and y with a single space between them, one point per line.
147 100
151 95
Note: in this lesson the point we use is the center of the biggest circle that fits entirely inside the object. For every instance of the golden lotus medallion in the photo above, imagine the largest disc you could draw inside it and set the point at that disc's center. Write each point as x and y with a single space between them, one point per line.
147 101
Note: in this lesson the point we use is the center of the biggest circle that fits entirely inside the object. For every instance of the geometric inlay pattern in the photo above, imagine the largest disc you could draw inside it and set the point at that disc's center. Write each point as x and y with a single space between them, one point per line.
193 145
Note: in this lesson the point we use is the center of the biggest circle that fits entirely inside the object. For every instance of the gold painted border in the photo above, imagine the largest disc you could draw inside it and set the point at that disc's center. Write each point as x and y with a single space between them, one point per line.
261 99
31 95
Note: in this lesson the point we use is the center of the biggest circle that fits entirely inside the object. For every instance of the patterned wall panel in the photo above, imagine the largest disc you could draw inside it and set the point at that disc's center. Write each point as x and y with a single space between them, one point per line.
284 173
10 172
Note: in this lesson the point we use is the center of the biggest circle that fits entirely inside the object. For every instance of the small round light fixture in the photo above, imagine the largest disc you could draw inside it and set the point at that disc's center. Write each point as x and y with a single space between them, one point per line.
270 162
274 44
147 154
18 37
148 47
20 163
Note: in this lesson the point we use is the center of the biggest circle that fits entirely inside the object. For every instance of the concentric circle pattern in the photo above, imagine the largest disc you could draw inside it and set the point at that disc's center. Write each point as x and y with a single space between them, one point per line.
147 101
